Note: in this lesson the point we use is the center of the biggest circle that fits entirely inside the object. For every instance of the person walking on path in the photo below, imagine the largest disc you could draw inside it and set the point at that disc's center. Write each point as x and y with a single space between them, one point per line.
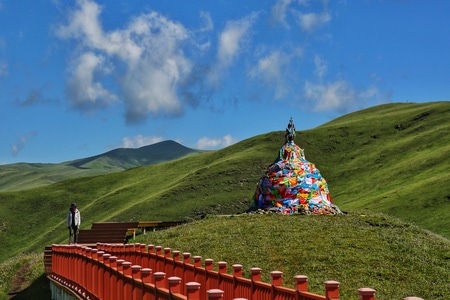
73 223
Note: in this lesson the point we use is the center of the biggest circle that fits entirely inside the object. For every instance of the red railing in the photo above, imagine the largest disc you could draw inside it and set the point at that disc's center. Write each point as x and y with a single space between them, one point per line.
138 271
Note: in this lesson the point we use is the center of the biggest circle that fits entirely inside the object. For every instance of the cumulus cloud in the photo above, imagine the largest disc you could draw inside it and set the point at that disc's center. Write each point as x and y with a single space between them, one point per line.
309 22
278 11
272 69
330 96
146 58
22 142
214 143
341 96
140 141
208 24
232 39
83 89
321 66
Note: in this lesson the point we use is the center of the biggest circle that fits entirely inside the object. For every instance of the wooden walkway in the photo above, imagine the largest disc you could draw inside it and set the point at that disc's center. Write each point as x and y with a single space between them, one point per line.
106 232
112 233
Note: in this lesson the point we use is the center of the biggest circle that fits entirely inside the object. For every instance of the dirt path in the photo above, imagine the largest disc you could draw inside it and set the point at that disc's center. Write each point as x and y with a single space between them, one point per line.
19 280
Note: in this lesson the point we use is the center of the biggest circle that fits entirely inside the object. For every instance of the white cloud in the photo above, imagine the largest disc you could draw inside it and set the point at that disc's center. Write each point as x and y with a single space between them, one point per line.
208 24
146 60
330 96
320 67
272 69
309 22
233 38
22 142
340 95
83 89
140 141
215 143
278 11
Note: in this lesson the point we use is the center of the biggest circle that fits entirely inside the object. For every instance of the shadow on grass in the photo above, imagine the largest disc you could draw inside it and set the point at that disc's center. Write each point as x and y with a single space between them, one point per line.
38 290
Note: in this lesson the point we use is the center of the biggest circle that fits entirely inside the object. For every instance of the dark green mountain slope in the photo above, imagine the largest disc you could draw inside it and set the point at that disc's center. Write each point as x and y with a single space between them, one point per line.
15 177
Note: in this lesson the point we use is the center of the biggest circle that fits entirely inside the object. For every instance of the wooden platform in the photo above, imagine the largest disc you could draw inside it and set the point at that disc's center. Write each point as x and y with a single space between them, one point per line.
48 259
106 232
110 232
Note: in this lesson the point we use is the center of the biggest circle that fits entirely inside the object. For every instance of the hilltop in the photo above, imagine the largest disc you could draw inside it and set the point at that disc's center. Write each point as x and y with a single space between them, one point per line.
20 176
392 159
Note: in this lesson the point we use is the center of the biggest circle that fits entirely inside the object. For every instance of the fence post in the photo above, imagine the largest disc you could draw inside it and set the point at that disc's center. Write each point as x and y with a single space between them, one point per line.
237 270
277 278
174 285
137 281
209 264
168 266
132 253
366 294
255 274
106 274
83 276
193 290
120 282
197 261
100 271
222 266
88 269
160 281
127 280
197 264
113 277
176 255
94 272
167 252
142 255
159 266
186 258
146 275
215 294
332 290
151 256
301 282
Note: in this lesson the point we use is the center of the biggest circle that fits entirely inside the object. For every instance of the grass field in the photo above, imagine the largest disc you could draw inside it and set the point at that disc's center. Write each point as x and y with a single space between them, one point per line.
391 159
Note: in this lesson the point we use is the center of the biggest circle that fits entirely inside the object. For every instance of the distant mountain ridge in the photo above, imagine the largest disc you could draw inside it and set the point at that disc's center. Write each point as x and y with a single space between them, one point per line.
126 158
15 177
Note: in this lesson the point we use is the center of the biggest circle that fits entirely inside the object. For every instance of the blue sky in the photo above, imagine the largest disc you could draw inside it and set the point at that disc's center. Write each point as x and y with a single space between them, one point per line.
79 78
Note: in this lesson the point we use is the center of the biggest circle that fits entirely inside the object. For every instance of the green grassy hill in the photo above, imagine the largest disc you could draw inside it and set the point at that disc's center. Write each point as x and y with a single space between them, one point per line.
392 159
20 176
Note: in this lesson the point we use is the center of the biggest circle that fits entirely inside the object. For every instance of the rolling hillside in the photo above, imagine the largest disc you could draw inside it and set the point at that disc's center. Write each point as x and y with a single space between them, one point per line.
392 159
20 176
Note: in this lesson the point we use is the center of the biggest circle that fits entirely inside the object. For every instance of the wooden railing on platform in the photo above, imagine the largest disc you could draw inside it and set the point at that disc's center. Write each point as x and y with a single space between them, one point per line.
117 232
138 271
106 232
143 226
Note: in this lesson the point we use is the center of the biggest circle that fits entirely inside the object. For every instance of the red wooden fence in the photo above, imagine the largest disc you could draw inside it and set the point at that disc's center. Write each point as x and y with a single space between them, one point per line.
138 271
